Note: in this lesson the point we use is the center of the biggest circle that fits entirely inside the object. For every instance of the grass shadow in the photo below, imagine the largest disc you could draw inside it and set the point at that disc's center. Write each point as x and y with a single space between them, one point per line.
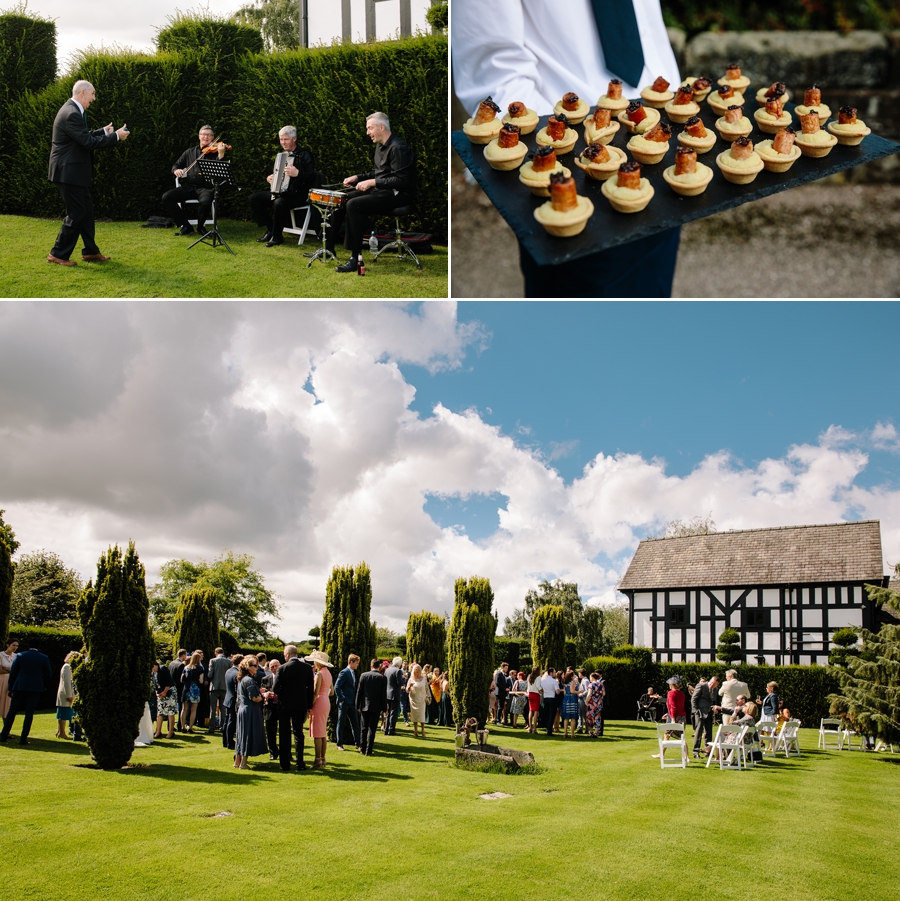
49 744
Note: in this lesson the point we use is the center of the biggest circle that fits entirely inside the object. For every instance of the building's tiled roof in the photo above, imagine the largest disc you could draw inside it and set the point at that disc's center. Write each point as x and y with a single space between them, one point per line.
846 551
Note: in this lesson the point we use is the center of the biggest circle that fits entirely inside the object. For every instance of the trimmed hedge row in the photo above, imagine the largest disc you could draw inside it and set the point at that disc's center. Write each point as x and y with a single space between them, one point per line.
326 92
55 643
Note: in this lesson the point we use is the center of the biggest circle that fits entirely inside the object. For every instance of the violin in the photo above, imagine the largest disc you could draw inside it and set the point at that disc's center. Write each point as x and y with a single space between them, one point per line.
215 148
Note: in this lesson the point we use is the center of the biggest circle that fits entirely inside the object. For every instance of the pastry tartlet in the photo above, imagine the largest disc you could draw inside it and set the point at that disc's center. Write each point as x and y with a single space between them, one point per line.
649 149
519 114
566 213
813 141
574 108
701 85
776 91
506 151
535 173
734 124
600 162
637 118
696 136
600 127
658 94
557 134
682 106
628 192
734 78
484 126
780 153
613 98
740 164
848 129
773 118
687 177
725 96
812 100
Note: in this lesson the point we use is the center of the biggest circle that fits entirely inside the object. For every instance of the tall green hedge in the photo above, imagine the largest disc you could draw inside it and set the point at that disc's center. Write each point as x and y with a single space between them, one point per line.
470 657
326 92
196 623
548 636
426 638
55 643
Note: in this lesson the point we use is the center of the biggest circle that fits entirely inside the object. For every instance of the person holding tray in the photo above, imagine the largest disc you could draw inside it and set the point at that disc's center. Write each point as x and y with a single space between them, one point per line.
535 53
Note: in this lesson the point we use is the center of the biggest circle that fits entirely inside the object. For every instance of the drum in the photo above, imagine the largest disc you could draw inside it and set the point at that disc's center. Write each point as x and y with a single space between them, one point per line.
328 197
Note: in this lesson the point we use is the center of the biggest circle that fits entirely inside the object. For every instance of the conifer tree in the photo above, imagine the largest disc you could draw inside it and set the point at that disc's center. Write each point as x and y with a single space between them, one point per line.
426 638
548 636
346 628
471 649
8 546
113 680
196 623
729 648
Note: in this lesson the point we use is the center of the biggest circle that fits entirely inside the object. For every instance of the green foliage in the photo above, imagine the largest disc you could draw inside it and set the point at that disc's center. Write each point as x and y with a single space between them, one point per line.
272 651
8 546
548 636
53 642
591 639
346 628
7 536
843 646
729 647
113 680
228 642
213 38
790 15
869 697
196 623
277 21
885 597
44 591
643 657
426 639
516 653
517 626
561 594
470 658
314 634
438 16
681 528
243 602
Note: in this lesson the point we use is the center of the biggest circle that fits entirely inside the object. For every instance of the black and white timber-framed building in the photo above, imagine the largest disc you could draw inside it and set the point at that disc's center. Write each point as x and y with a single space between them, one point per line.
786 590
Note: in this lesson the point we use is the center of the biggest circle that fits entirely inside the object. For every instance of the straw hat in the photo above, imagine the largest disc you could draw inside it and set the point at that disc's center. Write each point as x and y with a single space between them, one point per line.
319 657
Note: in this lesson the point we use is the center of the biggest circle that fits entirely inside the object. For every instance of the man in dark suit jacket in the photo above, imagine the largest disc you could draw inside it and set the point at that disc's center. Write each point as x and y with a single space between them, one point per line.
71 160
393 675
345 692
176 668
229 704
294 686
701 714
28 675
371 701
218 666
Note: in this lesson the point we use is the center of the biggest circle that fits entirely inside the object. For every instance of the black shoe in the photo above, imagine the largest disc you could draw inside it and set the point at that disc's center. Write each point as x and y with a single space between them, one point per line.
302 766
184 230
4 738
274 241
273 757
266 237
23 741
349 266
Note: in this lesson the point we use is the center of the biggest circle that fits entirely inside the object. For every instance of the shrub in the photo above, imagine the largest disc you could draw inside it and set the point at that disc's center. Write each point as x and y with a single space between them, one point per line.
196 623
8 546
548 636
229 644
470 656
426 638
346 628
729 650
843 647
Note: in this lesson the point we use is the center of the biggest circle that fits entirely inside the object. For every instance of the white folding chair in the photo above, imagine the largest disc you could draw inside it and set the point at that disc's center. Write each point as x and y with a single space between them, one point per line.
752 745
788 739
830 727
882 745
677 743
303 229
768 735
184 203
732 754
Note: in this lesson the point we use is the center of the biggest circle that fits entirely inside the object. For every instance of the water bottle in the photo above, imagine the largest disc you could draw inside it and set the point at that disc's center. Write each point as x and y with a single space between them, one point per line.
373 242
360 266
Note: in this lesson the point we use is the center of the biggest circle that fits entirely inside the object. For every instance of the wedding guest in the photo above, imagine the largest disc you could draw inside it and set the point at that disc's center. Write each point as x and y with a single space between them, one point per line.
166 700
250 739
65 694
191 679
417 688
232 676
6 661
318 715
535 695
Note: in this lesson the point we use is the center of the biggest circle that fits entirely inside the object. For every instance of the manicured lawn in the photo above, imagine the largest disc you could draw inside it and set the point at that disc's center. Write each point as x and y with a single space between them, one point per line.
602 821
150 262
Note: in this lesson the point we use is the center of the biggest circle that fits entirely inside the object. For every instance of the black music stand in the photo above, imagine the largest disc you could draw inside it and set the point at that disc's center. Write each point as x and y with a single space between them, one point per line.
219 173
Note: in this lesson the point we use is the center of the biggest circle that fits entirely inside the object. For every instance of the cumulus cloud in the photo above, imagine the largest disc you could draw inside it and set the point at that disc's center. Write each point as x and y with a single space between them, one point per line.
285 430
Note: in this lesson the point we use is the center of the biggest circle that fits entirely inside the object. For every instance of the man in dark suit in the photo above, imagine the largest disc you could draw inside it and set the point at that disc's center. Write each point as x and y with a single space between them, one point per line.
294 686
71 160
345 692
28 675
701 714
218 666
393 675
371 701
230 703
176 668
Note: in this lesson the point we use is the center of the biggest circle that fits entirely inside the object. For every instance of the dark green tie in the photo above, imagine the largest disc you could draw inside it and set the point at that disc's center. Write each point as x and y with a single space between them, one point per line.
620 38
84 116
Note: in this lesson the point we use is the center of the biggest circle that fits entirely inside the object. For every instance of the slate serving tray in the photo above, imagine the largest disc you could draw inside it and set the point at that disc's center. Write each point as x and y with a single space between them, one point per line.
607 228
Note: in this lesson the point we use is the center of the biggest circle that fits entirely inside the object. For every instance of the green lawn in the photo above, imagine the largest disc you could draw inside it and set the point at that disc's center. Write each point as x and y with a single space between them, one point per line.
602 822
150 262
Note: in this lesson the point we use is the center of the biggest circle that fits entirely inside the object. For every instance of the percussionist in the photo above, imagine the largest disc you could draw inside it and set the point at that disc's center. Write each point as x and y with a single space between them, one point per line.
391 184
273 212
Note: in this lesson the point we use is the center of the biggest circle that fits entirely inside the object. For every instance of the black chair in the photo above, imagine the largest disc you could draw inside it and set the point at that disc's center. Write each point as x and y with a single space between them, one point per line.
403 250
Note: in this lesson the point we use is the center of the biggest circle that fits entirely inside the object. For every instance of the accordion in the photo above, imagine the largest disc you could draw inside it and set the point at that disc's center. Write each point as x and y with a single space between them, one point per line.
280 181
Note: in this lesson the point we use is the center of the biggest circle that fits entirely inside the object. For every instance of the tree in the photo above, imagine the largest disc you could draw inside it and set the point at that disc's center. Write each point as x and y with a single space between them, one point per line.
470 657
314 634
243 602
870 686
843 647
729 648
438 16
384 637
113 680
886 597
8 546
345 623
517 626
560 594
426 637
615 626
681 528
278 22
45 591
590 641
196 624
548 636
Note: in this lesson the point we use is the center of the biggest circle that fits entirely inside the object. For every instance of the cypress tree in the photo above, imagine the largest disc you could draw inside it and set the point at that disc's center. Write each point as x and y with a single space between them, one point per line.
426 637
196 623
471 649
346 628
113 680
8 546
548 636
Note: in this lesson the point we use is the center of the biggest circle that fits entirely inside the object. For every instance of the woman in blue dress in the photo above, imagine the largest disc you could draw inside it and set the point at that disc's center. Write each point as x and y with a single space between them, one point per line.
570 704
251 733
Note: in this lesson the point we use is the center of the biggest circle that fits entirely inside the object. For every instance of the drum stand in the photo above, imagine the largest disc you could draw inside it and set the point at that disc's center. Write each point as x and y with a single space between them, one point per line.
323 253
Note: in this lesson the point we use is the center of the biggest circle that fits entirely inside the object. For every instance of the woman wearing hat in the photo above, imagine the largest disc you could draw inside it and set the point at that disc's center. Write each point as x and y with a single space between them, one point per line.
675 706
417 686
318 713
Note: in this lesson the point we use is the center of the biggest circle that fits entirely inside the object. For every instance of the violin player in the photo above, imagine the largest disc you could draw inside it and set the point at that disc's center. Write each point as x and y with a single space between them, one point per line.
193 185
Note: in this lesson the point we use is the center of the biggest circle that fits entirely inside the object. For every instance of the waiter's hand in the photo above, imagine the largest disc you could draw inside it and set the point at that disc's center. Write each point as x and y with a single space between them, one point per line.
365 185
350 180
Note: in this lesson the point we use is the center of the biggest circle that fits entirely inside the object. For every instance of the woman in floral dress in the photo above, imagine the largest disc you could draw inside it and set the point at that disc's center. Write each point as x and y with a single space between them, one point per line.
594 702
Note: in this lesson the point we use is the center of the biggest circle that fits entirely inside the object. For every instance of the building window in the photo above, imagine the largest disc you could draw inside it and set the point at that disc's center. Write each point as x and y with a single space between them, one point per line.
758 618
678 616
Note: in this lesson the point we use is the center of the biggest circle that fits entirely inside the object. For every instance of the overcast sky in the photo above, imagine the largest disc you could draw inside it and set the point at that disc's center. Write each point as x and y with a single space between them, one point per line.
293 432
91 23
